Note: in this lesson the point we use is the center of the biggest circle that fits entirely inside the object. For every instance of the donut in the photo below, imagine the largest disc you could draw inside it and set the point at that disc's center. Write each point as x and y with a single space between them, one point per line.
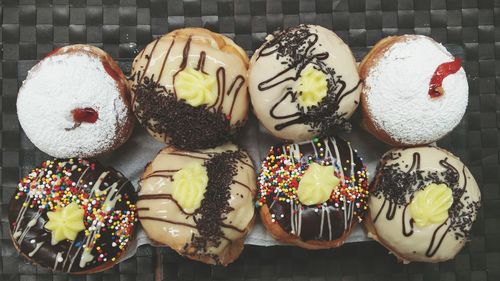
75 103
304 82
414 91
199 202
189 88
422 204
73 215
312 194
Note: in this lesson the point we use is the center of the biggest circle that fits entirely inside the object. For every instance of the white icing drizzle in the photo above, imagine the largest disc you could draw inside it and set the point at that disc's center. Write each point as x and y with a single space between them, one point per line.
37 247
314 148
58 259
29 225
292 217
322 220
339 161
112 196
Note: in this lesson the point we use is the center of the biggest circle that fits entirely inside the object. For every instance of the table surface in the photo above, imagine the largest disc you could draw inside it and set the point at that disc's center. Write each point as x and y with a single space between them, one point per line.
30 29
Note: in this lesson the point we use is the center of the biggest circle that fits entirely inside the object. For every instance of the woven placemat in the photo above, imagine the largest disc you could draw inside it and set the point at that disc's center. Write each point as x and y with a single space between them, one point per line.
30 29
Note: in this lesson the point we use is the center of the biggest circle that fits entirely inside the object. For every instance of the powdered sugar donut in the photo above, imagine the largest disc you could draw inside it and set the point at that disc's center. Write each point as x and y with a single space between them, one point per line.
75 103
415 92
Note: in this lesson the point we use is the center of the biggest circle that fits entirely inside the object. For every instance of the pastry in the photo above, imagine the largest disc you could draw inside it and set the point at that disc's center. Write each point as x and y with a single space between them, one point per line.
313 193
75 103
422 205
199 202
189 88
73 216
414 91
304 82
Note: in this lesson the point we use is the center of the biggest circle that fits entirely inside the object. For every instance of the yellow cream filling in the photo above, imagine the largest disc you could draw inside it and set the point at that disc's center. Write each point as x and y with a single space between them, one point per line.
195 87
65 223
317 184
430 205
189 186
311 87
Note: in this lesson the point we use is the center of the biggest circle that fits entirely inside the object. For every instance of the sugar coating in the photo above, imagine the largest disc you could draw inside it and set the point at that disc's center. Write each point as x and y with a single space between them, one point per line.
56 86
397 92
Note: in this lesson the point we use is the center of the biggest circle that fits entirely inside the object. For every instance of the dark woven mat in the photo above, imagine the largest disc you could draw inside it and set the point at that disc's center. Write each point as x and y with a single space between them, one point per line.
122 27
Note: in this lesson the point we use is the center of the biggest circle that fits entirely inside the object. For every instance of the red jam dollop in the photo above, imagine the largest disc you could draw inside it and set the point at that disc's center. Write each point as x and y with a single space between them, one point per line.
441 72
87 114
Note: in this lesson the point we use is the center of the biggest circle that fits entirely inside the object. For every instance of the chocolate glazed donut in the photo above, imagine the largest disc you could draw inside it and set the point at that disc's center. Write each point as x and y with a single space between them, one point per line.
316 226
107 199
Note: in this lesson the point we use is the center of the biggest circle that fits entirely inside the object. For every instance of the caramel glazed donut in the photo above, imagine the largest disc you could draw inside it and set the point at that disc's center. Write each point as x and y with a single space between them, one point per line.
304 82
422 205
189 88
199 203
312 193
73 215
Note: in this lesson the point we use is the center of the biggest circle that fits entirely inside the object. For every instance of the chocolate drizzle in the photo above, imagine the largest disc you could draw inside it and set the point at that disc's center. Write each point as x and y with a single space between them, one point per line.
182 125
297 46
398 186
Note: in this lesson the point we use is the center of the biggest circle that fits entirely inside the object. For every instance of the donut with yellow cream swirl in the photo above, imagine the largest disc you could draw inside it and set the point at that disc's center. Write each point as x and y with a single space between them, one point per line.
199 202
312 193
304 82
189 88
73 215
422 205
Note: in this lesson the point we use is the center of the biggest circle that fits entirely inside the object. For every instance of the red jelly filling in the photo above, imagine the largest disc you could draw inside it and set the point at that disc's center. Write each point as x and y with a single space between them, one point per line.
87 114
441 72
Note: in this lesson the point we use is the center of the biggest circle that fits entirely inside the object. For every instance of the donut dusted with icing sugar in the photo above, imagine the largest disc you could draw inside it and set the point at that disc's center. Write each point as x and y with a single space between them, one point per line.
75 103
414 91
73 215
199 202
189 88
422 204
312 194
303 82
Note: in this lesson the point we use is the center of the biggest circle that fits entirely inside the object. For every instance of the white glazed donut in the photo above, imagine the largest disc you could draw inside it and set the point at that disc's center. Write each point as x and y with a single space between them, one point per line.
75 103
303 82
422 204
199 203
399 107
189 88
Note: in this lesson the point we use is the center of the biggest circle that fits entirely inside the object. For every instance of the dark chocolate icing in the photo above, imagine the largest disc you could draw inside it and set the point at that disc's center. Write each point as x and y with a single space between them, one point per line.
397 184
27 223
327 221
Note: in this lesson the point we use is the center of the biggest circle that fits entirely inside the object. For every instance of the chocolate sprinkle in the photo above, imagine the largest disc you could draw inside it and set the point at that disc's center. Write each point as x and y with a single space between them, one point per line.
221 169
159 110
